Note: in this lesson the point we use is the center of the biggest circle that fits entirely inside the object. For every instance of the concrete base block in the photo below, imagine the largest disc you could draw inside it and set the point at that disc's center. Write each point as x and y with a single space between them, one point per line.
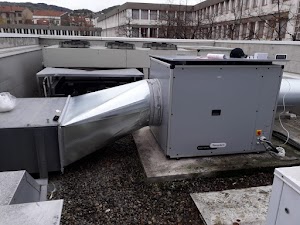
158 167
234 207
37 213
18 187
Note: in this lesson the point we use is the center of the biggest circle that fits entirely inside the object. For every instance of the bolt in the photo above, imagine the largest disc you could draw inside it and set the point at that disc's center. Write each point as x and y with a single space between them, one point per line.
287 210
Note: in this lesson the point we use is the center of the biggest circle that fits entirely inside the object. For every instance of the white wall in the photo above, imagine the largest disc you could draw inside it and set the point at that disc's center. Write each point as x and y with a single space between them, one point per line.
18 73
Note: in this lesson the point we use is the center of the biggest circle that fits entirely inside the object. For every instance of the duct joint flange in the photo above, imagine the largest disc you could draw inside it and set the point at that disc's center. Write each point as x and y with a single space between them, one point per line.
155 102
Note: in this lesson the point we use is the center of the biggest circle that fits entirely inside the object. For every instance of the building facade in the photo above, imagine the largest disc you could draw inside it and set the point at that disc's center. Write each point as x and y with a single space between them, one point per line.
15 15
211 19
47 17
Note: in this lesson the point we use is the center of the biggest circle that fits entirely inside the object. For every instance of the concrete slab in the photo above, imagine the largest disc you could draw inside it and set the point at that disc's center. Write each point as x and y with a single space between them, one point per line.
18 187
293 126
44 188
158 167
37 213
234 207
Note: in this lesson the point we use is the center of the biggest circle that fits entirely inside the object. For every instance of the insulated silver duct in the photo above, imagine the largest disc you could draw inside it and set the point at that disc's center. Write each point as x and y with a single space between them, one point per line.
91 121
290 90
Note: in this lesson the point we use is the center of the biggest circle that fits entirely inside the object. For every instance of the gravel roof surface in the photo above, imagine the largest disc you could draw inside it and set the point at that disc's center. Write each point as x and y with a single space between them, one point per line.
109 187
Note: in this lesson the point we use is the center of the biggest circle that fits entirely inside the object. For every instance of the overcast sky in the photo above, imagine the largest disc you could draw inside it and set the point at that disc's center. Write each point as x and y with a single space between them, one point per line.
97 5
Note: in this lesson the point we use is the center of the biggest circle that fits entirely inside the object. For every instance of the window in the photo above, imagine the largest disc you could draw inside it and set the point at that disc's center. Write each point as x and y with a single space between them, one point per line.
233 5
136 14
226 6
144 15
261 26
283 25
255 3
220 32
135 32
221 8
244 30
216 9
153 15
225 29
189 16
252 30
199 14
271 28
238 5
180 15
162 15
297 28
8 21
237 32
153 32
144 32
247 3
264 2
207 13
19 14
171 14
20 22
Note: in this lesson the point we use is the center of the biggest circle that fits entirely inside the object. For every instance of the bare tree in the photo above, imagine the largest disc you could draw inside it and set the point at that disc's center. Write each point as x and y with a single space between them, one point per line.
178 22
125 29
277 21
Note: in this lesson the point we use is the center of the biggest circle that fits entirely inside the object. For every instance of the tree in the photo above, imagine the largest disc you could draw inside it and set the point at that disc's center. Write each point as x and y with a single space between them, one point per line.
125 29
276 21
178 22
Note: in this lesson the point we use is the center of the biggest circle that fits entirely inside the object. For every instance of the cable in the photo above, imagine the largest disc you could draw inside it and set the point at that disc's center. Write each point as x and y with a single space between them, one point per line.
283 103
53 191
276 152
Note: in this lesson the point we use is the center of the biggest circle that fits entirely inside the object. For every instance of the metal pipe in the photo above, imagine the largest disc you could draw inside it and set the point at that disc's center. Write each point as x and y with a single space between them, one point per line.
93 120
44 86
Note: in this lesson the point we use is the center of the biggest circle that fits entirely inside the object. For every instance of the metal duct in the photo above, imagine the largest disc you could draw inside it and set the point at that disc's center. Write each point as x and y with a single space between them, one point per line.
290 88
93 120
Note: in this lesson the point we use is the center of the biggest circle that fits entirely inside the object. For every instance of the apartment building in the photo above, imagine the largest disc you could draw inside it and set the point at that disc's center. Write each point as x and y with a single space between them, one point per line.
211 19
47 17
15 15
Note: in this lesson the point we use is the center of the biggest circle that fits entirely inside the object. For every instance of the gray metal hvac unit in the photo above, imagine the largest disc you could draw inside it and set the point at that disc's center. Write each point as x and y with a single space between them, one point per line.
215 107
59 82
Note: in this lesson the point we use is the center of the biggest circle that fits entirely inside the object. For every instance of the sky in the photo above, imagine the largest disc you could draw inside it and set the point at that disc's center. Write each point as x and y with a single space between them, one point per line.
98 5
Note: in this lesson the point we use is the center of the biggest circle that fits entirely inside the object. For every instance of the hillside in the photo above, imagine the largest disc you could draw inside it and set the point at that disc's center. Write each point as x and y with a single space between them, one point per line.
43 6
38 6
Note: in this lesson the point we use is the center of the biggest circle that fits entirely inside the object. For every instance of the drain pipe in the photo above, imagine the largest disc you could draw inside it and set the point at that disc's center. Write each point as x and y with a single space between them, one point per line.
91 121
